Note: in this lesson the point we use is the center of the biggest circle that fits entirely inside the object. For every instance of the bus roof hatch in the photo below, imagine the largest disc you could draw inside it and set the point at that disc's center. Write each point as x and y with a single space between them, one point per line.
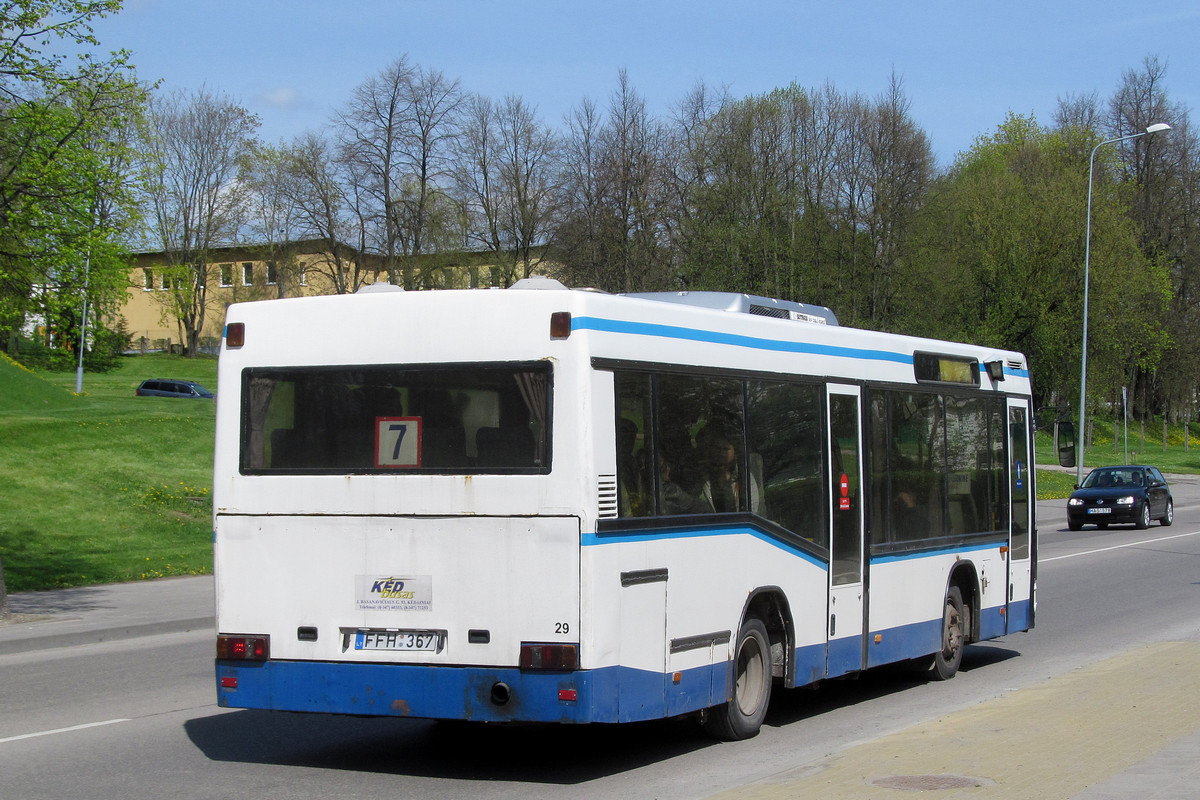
746 304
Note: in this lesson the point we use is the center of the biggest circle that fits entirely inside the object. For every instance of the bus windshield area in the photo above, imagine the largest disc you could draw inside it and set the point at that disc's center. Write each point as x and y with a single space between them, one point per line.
386 419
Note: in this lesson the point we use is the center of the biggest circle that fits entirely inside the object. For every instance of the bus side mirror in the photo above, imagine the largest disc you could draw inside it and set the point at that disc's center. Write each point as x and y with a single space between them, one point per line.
1064 442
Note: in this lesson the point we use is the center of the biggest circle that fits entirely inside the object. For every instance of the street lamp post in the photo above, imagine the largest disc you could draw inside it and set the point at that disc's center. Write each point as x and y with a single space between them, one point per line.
87 262
1087 254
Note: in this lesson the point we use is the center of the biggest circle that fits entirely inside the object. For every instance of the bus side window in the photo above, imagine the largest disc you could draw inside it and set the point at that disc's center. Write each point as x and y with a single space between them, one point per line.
786 438
634 480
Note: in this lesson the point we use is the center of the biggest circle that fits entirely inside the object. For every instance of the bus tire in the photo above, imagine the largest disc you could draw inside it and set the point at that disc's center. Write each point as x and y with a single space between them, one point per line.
947 660
743 715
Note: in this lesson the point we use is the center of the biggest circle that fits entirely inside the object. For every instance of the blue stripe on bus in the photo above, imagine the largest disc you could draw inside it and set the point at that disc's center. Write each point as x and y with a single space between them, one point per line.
621 537
941 551
737 340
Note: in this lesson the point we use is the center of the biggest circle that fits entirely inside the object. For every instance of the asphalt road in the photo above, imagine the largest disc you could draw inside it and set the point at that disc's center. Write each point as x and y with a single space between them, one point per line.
135 718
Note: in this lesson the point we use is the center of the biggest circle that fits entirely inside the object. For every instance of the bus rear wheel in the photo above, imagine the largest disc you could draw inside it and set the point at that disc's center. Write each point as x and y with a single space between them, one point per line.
947 660
743 715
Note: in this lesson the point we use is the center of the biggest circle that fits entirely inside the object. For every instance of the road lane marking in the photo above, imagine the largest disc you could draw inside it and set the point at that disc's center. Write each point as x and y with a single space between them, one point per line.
1119 546
61 730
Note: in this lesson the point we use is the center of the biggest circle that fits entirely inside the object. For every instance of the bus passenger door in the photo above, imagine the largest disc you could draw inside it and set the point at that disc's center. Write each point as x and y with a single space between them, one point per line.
845 630
1019 613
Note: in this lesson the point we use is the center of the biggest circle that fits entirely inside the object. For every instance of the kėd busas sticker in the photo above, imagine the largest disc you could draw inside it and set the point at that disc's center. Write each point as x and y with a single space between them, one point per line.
393 593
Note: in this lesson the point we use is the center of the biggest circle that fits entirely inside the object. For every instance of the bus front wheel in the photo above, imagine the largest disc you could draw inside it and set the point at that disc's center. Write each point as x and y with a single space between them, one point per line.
947 660
743 715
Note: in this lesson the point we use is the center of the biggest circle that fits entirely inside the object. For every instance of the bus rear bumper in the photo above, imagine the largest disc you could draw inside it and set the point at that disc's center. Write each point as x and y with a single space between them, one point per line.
468 693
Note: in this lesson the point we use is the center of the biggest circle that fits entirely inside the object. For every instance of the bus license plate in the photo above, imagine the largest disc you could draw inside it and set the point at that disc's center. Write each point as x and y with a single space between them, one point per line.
1099 510
397 640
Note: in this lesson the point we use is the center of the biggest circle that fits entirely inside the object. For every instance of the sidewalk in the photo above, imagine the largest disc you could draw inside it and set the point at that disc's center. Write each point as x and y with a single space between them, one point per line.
91 614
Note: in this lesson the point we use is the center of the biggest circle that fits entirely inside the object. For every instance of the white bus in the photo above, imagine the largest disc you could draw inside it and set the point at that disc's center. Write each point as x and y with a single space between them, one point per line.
570 506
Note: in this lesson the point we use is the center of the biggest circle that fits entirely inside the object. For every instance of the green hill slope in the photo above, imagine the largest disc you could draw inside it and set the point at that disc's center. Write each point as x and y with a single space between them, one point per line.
21 390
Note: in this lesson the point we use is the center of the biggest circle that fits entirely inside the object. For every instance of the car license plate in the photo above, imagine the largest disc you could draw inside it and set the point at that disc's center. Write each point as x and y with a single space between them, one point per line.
428 641
1099 510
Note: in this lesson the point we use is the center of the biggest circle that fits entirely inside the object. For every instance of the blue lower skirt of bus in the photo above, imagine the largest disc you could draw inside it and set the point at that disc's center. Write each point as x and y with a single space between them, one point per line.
611 694
485 694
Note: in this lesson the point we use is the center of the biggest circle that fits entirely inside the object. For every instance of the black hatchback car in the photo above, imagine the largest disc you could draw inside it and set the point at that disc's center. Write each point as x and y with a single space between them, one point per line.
1115 495
159 387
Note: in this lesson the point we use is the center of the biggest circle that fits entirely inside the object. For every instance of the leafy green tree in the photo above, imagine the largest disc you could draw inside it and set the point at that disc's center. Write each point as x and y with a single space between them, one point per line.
1001 263
64 164
806 195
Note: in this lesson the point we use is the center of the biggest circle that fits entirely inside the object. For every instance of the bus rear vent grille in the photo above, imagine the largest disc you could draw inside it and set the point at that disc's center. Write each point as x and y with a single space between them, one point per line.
607 491
767 311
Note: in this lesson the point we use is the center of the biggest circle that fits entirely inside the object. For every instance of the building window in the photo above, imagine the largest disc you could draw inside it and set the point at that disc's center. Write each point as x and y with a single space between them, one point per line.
272 274
304 276
148 279
165 282
247 274
227 275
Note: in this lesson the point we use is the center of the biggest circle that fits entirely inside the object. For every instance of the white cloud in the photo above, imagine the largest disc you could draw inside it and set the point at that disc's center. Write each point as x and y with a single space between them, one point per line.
284 98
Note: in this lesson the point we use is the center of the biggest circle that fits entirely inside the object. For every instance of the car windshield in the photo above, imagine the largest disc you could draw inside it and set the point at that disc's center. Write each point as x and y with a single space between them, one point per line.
1114 477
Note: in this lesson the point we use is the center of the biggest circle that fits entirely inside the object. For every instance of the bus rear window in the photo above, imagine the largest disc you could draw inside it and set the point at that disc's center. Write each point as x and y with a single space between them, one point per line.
392 419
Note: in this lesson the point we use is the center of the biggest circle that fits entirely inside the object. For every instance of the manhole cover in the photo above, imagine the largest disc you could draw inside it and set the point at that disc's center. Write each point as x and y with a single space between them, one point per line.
925 783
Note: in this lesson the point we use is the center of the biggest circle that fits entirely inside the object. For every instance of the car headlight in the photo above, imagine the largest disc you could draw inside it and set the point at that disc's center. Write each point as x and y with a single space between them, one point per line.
1127 500
1074 501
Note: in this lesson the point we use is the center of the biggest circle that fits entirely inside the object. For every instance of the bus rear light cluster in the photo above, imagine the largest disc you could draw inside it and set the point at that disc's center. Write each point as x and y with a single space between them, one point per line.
243 648
549 657
235 334
560 325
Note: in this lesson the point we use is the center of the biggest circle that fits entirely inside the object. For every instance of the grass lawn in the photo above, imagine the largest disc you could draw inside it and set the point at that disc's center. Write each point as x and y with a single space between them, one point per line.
105 486
1107 450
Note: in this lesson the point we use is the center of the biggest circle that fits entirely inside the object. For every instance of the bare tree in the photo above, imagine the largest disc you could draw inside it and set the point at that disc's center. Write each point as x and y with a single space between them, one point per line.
397 131
321 187
193 146
632 146
370 130
577 238
478 183
274 216
528 150
613 231
897 174
434 102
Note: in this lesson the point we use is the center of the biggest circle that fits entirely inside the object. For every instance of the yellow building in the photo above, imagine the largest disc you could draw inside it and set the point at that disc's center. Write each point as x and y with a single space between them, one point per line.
259 272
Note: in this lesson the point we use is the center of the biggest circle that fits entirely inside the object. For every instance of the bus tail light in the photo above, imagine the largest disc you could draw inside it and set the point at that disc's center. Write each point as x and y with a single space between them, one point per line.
549 657
235 334
560 325
243 648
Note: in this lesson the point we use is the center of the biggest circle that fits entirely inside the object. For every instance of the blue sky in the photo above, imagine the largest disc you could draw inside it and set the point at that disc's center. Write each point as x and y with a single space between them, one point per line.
964 65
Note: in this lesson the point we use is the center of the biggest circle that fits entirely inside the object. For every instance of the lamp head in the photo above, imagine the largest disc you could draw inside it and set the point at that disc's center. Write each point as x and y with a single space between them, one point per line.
1158 126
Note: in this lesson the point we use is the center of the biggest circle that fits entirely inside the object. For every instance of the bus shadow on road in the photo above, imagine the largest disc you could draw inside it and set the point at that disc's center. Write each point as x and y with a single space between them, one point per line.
544 754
